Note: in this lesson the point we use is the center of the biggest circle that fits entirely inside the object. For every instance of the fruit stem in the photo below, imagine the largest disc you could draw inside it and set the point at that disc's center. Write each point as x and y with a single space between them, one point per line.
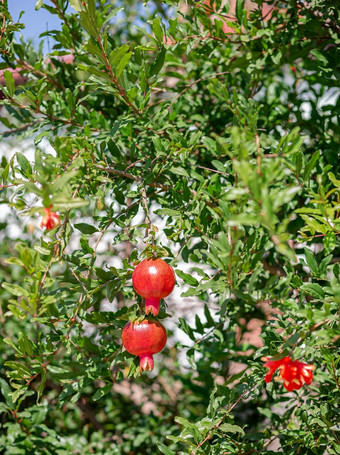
145 362
152 305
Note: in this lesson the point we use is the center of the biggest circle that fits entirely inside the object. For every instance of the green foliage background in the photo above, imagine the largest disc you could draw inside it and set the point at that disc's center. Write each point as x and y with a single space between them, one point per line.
228 143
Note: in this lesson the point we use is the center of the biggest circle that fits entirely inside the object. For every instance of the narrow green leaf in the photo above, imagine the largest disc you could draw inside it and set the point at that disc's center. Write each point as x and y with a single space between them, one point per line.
314 290
311 262
62 181
101 392
157 29
310 165
179 171
188 279
15 289
23 163
85 228
63 203
239 10
157 65
6 392
165 450
38 4
76 5
9 81
329 242
228 428
117 54
169 212
41 386
186 328
122 64
322 58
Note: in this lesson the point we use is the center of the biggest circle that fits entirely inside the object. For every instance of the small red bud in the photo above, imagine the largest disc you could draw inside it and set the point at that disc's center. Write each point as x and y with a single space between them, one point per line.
50 219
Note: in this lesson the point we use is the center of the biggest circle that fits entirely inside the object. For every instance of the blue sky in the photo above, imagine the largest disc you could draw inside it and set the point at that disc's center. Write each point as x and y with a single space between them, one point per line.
35 21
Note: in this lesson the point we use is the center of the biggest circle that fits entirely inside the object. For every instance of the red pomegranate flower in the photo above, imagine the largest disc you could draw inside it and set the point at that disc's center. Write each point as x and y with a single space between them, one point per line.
50 219
144 339
293 373
153 279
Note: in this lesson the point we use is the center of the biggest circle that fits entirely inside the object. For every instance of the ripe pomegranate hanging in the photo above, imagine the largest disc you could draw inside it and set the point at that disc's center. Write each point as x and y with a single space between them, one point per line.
144 339
153 279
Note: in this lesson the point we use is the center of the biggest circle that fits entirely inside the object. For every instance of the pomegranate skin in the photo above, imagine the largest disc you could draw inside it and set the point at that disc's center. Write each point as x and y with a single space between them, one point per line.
144 339
154 280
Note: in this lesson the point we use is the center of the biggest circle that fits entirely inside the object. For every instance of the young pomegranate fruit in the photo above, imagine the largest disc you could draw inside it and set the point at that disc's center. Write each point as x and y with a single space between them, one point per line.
153 279
144 339
50 219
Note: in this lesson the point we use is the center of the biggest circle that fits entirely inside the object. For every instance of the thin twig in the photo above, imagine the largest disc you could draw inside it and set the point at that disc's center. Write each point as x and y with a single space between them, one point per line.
219 423
196 82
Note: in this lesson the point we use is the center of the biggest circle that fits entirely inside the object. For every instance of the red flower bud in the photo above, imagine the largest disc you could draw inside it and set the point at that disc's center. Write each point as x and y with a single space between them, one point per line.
293 373
50 220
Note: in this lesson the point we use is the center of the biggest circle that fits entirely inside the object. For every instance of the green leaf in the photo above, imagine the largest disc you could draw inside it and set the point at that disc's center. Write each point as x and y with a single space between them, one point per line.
157 65
320 57
244 220
42 250
310 165
101 392
63 203
334 180
157 29
23 163
9 81
314 290
122 64
311 262
169 212
76 5
86 228
329 242
117 54
41 386
62 181
218 165
228 428
87 23
179 171
188 279
239 10
6 392
186 328
15 289
38 4
165 450
208 316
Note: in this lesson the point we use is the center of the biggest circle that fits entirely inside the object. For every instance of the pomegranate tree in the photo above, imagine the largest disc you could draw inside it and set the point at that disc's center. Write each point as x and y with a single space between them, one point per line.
154 280
144 339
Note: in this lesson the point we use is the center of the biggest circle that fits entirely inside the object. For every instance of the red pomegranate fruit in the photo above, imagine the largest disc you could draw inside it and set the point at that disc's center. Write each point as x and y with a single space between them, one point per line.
144 339
153 279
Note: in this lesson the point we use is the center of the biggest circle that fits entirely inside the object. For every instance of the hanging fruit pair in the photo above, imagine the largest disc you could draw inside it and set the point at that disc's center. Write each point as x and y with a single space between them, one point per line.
154 280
